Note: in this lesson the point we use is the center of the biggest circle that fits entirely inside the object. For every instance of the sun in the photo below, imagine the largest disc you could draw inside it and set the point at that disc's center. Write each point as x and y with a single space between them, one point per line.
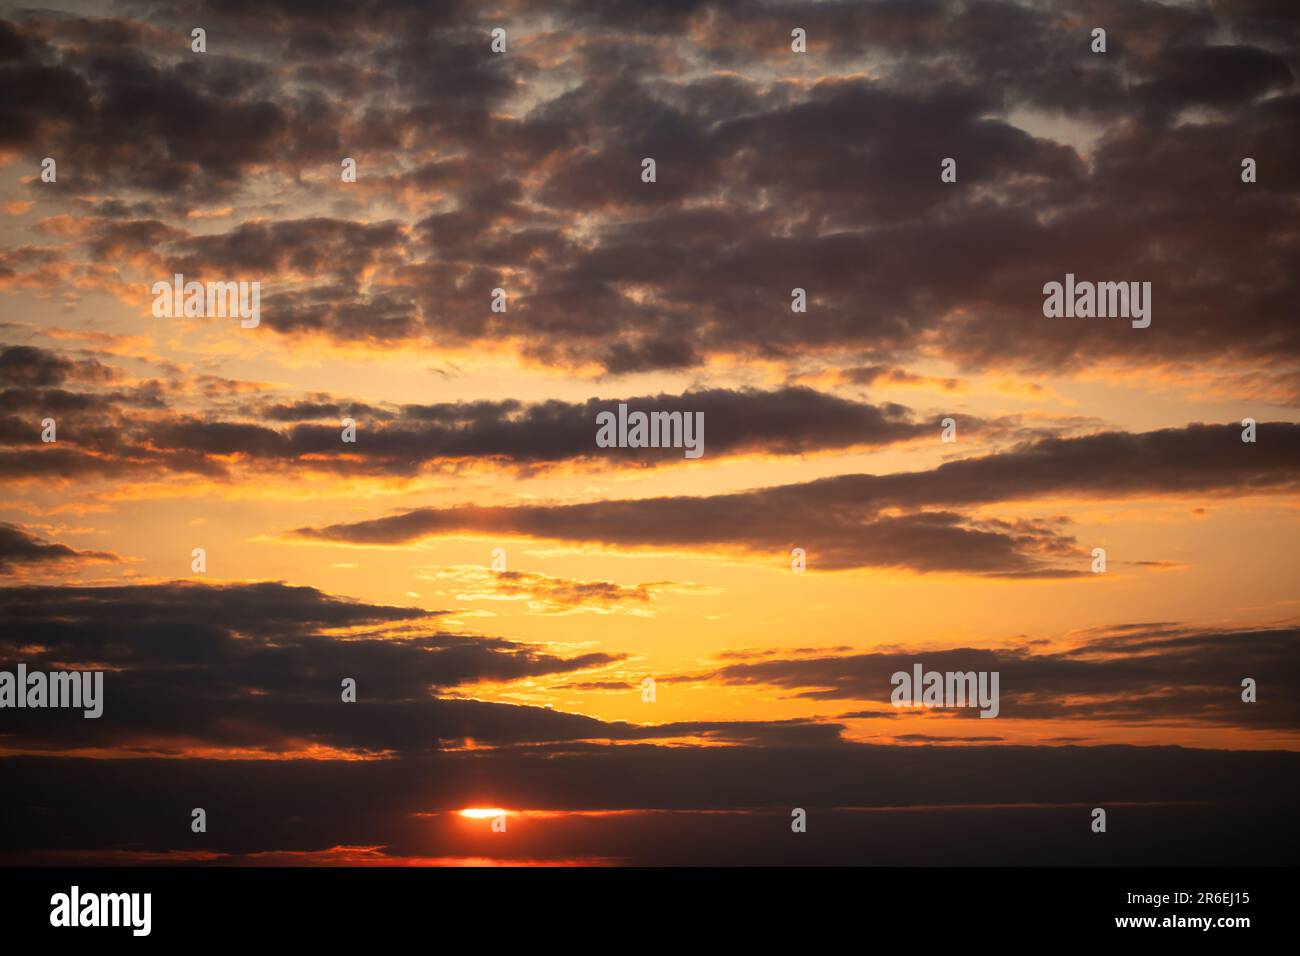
482 813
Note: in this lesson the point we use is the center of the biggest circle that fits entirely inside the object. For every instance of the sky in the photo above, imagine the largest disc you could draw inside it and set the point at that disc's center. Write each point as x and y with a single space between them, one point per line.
640 656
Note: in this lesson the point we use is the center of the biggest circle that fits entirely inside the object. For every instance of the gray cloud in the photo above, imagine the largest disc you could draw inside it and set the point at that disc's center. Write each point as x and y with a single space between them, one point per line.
843 521
1137 674
830 184
19 548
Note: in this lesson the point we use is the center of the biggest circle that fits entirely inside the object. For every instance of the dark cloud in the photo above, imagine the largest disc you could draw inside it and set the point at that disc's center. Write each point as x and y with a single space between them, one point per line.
1133 675
841 536
309 410
101 431
825 180
23 365
843 521
137 111
262 665
21 548
317 247
1219 76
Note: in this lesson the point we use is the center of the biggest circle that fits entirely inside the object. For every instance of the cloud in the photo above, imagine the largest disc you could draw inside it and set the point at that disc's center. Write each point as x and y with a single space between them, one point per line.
20 549
23 365
270 649
102 431
844 521
1137 674
545 594
258 668
775 172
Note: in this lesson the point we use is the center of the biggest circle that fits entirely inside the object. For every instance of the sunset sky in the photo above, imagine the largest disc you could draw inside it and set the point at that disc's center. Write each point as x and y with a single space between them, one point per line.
475 429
